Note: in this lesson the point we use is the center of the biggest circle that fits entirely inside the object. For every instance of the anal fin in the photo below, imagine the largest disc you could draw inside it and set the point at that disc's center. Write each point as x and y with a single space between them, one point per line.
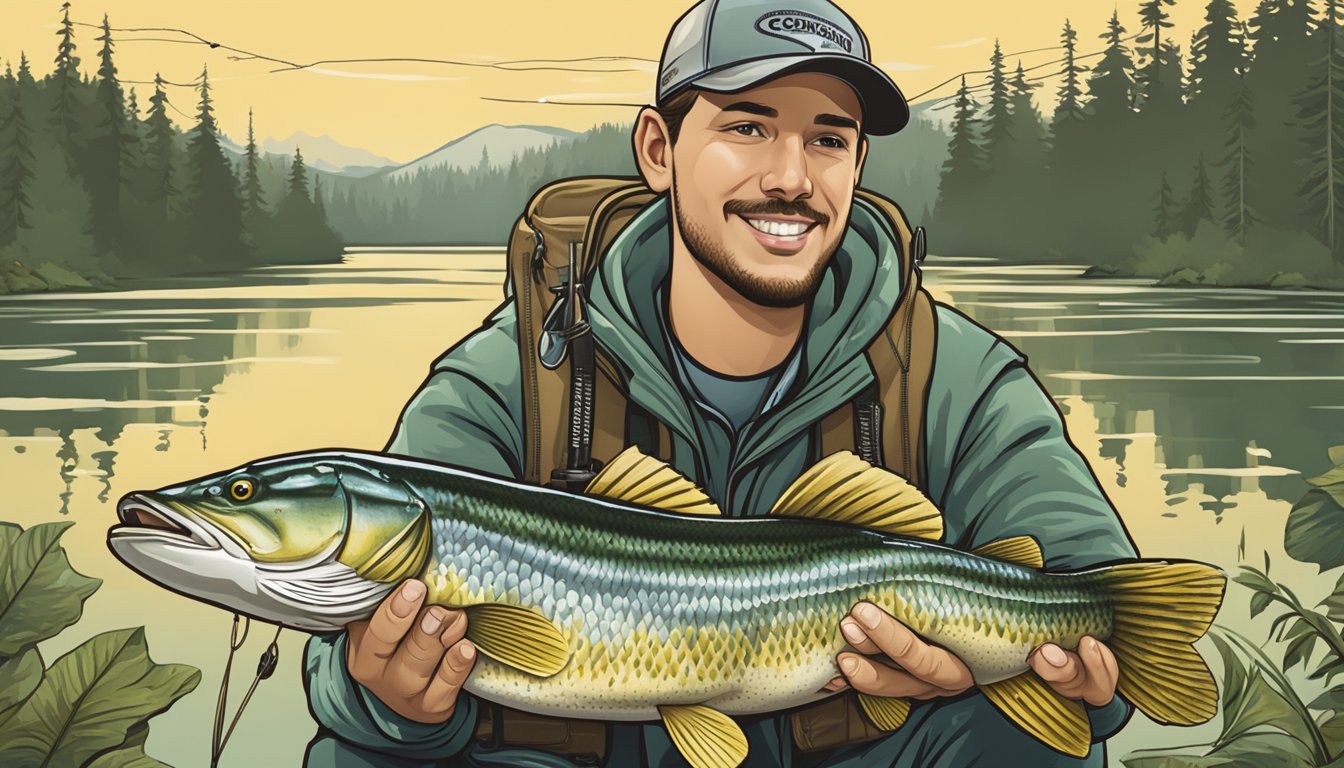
706 737
1019 550
518 637
886 712
1029 703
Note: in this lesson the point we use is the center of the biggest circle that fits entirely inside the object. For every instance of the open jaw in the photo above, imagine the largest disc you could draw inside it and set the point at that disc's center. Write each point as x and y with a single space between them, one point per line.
146 517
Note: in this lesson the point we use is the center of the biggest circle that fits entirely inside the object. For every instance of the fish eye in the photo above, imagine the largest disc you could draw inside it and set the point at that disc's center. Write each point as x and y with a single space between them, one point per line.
242 489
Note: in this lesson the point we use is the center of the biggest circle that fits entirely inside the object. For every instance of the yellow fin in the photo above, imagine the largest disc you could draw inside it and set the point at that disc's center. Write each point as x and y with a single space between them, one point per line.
706 737
1161 608
1058 722
886 712
517 636
845 488
639 479
1019 550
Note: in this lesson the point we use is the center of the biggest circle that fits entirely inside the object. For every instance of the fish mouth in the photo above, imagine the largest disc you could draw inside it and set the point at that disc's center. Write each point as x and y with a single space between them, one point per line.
143 516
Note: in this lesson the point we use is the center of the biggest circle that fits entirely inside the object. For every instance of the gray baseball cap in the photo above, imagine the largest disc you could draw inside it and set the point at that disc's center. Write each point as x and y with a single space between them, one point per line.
731 45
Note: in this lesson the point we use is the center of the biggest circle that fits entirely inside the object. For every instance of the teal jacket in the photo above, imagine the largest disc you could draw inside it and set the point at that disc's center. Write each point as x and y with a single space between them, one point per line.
999 464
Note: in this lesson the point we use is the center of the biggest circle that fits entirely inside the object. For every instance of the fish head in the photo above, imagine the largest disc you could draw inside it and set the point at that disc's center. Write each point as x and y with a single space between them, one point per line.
311 542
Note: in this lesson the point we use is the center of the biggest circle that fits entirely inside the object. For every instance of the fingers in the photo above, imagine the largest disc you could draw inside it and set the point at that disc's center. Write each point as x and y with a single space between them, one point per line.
411 668
854 636
1091 674
441 696
872 677
837 683
378 640
926 663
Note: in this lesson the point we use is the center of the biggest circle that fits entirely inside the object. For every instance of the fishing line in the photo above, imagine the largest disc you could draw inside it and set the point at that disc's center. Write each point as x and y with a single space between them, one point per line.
265 668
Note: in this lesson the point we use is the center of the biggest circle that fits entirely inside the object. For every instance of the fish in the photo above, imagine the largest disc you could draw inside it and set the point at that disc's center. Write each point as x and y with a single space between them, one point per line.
638 600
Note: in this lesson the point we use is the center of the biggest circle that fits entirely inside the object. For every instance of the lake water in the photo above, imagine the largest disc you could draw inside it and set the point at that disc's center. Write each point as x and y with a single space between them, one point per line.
1199 411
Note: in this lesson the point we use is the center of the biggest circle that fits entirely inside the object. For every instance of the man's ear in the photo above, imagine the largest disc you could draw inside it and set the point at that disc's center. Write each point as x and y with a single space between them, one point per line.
653 150
863 155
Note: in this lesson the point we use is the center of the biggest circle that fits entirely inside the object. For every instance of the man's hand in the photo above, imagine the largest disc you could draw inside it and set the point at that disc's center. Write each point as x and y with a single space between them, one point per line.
413 660
927 671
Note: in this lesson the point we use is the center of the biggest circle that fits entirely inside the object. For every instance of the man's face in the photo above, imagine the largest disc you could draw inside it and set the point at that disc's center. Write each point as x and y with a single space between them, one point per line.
762 183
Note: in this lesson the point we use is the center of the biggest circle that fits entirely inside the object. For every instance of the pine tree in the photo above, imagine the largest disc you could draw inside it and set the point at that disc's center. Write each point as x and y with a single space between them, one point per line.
1240 118
1154 19
1284 51
25 75
1022 207
253 199
998 115
109 149
1321 113
214 212
160 154
1069 109
318 204
963 171
298 178
1166 207
66 108
1112 81
1199 206
1217 58
16 175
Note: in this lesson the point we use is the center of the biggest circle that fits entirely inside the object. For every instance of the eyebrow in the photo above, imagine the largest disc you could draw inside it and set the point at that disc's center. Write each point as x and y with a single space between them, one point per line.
752 107
836 121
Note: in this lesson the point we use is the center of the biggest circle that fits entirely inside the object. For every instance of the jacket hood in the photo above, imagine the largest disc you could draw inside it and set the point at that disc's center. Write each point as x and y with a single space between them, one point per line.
857 295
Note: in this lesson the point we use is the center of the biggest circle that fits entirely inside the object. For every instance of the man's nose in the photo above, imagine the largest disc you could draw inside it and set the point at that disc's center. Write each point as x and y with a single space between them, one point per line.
787 176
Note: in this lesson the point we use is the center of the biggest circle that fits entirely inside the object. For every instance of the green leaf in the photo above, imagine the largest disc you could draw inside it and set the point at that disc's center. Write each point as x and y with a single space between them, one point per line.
40 594
130 754
1313 531
1336 454
19 676
1254 750
1332 699
1252 704
1334 604
90 699
1259 602
1299 649
1332 729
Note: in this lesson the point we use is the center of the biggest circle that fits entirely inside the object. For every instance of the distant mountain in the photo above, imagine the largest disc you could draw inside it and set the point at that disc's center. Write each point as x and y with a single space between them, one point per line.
504 142
320 153
327 154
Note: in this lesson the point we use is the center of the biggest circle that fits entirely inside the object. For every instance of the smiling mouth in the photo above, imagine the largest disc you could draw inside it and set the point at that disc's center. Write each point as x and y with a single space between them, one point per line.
779 236
145 517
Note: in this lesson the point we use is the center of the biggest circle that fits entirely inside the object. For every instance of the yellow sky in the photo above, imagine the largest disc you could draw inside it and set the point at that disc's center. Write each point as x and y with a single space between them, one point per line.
403 109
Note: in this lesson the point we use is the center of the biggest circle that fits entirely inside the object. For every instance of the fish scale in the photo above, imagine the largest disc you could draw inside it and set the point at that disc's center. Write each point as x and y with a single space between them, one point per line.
668 609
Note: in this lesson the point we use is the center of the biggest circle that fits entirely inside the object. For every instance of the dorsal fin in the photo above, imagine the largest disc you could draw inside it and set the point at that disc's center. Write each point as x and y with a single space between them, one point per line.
636 478
1018 550
845 488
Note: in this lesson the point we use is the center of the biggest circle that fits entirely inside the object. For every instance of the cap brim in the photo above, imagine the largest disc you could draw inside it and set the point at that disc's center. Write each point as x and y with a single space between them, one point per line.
885 110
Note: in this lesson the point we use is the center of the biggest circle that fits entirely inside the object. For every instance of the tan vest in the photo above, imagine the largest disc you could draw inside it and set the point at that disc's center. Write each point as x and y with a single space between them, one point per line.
575 411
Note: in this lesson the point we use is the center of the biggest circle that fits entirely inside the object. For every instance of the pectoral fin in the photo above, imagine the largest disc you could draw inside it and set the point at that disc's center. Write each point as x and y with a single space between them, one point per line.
706 737
517 636
1026 700
887 713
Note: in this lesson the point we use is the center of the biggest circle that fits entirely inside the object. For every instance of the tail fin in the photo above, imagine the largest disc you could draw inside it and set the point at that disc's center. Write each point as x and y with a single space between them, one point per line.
1161 609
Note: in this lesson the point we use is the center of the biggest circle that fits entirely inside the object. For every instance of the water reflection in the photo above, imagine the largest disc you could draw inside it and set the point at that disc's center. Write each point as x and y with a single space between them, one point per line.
1197 410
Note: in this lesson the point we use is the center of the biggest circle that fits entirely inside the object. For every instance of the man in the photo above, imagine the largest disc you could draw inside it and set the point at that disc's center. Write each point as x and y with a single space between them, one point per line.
741 302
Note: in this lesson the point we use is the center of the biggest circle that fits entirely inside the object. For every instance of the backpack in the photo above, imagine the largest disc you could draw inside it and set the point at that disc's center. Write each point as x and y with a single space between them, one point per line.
554 250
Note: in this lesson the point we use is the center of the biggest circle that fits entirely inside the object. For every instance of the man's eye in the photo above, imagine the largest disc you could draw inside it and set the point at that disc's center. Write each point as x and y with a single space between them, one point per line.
747 129
832 142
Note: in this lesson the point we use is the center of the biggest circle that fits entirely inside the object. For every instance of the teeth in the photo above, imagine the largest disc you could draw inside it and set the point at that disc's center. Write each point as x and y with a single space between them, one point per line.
779 228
